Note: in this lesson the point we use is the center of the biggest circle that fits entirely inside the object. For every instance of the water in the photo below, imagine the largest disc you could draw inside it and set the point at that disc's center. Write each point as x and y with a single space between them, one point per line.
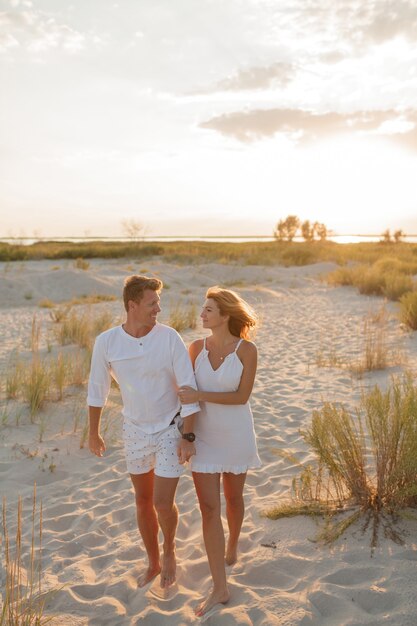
27 241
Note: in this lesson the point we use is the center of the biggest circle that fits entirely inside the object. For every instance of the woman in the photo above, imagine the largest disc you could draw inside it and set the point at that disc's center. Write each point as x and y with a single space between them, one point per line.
225 368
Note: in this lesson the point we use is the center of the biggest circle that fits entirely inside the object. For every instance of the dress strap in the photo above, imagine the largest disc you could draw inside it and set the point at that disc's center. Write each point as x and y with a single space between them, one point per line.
204 344
238 344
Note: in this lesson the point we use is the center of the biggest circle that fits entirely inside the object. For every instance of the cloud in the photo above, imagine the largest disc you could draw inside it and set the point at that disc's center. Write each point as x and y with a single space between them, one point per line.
306 126
36 32
257 77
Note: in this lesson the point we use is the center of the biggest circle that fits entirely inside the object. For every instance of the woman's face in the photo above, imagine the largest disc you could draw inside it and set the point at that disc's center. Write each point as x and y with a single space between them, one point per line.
211 316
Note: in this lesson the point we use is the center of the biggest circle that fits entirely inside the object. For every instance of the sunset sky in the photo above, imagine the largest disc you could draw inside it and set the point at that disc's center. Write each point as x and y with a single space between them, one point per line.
207 116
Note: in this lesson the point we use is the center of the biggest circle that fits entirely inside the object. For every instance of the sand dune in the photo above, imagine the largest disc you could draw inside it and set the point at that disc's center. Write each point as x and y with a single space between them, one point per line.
91 546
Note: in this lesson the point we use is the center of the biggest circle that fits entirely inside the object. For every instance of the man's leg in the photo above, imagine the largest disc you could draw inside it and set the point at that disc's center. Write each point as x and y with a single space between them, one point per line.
164 494
147 523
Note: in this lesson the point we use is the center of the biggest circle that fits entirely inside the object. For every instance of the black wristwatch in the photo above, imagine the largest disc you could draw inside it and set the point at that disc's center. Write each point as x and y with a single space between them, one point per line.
189 436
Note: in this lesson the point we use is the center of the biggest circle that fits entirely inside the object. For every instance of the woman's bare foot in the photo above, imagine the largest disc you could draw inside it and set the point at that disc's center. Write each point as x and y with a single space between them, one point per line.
148 575
231 555
168 571
216 597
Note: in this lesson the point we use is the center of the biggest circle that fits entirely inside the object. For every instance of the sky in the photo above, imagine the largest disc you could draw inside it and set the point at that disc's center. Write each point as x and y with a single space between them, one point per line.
208 117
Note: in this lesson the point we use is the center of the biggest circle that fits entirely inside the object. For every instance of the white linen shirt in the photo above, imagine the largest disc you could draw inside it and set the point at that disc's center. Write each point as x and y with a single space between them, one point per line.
148 370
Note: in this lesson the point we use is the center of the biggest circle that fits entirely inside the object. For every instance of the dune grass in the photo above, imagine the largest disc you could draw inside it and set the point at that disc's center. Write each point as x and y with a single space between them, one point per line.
408 310
375 353
82 327
23 597
373 280
182 316
248 253
365 462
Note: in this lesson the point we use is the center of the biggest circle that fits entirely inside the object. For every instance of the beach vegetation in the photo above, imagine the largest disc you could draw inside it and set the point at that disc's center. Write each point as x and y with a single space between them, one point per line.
365 462
375 352
81 264
182 315
46 303
35 387
388 277
23 597
408 309
82 328
14 375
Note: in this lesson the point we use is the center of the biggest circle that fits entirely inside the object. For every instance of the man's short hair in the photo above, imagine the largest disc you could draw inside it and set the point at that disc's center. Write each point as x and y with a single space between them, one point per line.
134 287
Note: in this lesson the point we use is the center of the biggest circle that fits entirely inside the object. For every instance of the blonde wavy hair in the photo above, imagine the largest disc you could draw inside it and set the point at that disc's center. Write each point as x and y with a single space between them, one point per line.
242 318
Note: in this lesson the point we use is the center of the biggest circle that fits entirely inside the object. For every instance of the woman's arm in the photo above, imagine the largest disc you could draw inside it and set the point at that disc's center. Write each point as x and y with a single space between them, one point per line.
247 353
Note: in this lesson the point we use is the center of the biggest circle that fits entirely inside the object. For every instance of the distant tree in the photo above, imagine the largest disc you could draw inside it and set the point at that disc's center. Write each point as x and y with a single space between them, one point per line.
287 229
398 235
279 231
386 236
292 224
308 231
133 228
321 230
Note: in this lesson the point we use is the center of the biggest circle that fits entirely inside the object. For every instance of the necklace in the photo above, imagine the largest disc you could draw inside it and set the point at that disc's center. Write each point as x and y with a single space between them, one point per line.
221 357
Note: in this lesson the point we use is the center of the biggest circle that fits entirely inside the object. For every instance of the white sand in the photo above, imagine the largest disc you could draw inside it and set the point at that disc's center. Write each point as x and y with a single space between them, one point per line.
90 540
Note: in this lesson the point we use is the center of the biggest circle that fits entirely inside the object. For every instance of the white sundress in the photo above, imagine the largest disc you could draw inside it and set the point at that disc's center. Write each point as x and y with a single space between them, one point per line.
225 436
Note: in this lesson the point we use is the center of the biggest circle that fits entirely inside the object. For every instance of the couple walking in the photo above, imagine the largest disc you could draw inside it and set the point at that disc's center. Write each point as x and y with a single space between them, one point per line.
180 407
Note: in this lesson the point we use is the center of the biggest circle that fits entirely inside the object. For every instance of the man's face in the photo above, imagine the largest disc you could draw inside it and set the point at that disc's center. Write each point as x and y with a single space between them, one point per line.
146 310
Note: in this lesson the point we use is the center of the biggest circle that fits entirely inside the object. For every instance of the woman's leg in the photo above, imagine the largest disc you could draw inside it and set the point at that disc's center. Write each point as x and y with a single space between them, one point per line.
235 509
208 492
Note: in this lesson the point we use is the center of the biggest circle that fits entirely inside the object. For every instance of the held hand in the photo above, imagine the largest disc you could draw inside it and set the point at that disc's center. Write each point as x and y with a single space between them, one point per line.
96 445
186 450
187 395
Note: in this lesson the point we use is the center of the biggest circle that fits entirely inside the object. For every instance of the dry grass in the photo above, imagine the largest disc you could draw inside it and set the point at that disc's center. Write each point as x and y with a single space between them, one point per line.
365 461
387 277
23 597
90 299
82 328
408 310
14 376
81 264
183 316
36 385
376 352
249 253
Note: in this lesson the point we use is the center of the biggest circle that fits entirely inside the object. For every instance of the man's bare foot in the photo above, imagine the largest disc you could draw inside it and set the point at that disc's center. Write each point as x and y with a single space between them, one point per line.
231 555
216 597
148 575
169 568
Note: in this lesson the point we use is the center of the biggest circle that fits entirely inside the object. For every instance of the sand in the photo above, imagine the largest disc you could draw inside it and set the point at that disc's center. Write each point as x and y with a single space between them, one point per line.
92 551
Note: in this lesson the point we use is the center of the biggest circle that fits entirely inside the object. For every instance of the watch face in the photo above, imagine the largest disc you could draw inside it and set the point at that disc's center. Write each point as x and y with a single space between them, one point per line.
189 437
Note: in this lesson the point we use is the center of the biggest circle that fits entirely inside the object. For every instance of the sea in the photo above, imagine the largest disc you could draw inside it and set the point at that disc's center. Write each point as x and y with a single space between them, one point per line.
236 239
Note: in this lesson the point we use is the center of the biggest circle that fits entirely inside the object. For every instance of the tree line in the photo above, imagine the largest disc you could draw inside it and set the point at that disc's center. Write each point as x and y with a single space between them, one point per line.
287 229
292 226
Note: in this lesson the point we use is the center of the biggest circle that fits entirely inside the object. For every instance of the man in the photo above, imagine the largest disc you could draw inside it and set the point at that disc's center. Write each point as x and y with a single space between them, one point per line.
149 361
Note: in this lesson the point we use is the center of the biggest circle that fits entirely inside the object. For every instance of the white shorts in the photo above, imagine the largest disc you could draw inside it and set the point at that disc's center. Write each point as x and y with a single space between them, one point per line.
157 451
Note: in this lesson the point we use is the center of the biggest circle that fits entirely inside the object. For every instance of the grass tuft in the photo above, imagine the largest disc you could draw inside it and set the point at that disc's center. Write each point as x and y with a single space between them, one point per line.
23 598
365 461
183 316
408 309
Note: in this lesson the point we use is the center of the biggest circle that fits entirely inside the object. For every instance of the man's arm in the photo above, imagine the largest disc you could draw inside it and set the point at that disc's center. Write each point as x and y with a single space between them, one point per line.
98 389
183 371
186 449
95 441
